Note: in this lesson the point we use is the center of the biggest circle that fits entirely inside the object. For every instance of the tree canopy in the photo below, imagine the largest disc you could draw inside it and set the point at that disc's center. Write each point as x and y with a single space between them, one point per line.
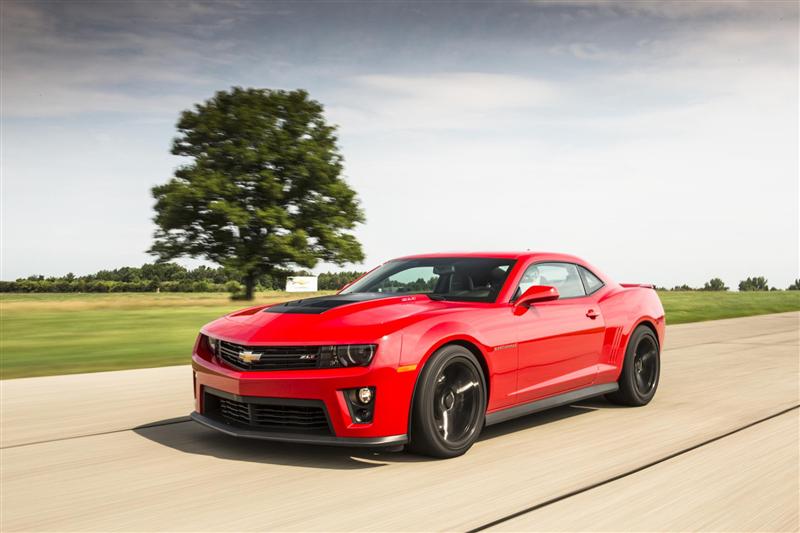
756 283
715 284
263 189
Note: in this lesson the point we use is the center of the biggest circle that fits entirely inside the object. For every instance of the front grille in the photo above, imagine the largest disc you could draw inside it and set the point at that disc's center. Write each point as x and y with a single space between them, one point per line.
271 357
269 414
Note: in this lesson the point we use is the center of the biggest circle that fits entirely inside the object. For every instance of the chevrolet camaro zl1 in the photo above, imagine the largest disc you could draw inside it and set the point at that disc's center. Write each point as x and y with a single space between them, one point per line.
426 350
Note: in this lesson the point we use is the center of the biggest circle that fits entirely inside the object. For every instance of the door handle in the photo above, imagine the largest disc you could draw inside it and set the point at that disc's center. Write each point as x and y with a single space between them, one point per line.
591 313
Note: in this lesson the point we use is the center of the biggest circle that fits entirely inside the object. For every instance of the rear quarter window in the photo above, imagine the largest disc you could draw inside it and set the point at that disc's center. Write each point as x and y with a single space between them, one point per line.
590 281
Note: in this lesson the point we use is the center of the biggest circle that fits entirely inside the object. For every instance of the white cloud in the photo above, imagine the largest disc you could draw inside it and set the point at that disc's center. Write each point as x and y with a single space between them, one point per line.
672 9
468 91
464 100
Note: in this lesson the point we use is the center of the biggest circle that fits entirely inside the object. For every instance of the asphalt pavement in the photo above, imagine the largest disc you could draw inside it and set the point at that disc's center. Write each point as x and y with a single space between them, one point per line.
717 449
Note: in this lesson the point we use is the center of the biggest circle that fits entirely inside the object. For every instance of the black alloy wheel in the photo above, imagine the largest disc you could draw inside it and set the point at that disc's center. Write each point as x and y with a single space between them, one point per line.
641 369
645 365
455 401
449 404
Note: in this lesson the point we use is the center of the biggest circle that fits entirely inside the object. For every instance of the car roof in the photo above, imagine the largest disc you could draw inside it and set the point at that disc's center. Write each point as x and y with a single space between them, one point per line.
502 255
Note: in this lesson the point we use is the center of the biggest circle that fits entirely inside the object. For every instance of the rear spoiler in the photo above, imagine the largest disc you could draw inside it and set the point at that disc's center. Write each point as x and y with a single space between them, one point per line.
634 285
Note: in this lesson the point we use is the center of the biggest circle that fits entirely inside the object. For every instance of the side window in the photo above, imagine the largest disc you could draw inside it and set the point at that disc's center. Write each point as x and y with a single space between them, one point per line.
591 281
562 276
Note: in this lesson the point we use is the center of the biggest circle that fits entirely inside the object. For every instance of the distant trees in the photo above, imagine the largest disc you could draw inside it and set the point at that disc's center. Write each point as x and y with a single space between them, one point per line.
333 281
167 277
714 284
758 283
754 284
171 277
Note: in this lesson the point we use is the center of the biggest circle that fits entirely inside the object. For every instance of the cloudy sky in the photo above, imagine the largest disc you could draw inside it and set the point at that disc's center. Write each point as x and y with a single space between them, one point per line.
659 141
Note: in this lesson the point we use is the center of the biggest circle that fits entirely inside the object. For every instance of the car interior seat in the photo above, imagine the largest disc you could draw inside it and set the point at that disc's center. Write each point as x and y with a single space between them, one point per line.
460 282
496 278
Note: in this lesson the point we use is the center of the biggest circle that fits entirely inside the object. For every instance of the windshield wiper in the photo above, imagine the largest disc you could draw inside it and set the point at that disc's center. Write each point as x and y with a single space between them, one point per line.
437 297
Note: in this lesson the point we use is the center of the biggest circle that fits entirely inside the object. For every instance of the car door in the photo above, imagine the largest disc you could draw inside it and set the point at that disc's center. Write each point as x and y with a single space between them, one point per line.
560 341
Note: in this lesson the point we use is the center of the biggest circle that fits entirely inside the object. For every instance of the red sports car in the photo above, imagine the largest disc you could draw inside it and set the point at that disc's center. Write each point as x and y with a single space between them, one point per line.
426 350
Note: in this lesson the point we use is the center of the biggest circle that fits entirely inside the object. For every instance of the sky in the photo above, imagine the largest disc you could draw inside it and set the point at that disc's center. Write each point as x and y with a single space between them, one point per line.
659 141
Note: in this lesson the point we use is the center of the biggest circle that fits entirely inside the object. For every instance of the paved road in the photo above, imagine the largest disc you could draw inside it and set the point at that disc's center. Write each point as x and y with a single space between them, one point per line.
717 450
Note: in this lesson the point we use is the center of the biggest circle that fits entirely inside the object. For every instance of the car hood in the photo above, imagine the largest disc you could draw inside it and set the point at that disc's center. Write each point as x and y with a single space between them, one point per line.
340 318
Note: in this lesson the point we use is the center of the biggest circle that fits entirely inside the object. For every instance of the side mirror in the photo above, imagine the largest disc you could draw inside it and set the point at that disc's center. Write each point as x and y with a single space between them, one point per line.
537 294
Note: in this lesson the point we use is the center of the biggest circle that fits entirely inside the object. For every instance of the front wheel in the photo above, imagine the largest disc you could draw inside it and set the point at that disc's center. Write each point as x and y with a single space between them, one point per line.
449 405
640 370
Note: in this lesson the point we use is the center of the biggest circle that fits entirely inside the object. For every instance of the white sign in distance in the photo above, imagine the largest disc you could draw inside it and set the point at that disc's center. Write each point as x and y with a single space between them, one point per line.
301 284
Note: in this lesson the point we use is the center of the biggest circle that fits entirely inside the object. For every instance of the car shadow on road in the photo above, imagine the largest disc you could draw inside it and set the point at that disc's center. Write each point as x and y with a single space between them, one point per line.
189 437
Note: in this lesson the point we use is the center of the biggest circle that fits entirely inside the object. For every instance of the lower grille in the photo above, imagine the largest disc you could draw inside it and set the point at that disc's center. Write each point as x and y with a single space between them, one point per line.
278 415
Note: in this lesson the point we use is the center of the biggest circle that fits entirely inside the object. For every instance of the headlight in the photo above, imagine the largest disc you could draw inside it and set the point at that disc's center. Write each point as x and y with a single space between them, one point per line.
347 355
355 354
213 345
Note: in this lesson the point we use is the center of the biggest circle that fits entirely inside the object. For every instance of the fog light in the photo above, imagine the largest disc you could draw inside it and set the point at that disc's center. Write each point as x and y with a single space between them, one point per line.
361 404
365 395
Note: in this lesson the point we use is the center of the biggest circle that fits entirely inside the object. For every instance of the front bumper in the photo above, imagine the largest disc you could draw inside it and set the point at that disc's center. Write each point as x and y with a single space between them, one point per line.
325 387
372 442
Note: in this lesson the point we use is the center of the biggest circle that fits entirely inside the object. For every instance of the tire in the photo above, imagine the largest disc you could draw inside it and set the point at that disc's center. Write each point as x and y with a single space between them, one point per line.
641 369
449 405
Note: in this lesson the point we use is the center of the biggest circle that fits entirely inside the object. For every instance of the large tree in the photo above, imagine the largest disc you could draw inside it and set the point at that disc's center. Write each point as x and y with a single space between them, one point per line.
263 189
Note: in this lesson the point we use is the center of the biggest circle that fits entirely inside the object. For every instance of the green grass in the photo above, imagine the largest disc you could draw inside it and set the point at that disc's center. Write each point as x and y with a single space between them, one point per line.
682 307
44 334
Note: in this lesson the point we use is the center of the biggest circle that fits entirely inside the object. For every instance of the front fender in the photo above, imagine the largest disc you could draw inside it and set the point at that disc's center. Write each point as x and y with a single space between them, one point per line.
423 340
420 344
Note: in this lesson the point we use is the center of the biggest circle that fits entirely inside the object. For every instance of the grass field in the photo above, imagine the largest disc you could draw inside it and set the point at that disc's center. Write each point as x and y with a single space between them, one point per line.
43 334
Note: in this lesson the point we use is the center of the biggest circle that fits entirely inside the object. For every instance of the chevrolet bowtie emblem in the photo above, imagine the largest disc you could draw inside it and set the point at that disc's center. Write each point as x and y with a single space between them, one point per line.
249 357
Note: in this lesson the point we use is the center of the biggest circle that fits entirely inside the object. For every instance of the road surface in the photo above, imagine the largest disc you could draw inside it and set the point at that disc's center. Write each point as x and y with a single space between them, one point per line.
717 449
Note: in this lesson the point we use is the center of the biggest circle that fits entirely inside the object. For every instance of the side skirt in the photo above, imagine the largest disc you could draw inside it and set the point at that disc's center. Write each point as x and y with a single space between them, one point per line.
548 403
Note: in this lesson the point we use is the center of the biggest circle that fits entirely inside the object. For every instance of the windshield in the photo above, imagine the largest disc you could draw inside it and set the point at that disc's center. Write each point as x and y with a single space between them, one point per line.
471 279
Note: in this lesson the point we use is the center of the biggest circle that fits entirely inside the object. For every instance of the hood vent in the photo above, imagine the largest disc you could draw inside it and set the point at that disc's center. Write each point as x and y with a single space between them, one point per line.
320 304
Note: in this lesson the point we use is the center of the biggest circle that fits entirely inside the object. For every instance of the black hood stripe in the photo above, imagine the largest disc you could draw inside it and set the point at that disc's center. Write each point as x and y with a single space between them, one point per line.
320 304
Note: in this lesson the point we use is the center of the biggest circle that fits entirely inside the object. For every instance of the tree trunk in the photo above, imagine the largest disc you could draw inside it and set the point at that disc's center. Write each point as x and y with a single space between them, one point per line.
249 286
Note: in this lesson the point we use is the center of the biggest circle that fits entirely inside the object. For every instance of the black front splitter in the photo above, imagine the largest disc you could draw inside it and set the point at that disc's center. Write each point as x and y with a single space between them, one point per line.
369 442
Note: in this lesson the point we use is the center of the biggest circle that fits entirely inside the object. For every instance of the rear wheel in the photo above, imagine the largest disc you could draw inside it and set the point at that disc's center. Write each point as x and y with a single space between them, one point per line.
641 369
449 404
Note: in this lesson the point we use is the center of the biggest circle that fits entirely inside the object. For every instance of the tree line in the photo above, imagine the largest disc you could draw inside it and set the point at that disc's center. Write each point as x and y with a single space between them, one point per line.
755 283
169 277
